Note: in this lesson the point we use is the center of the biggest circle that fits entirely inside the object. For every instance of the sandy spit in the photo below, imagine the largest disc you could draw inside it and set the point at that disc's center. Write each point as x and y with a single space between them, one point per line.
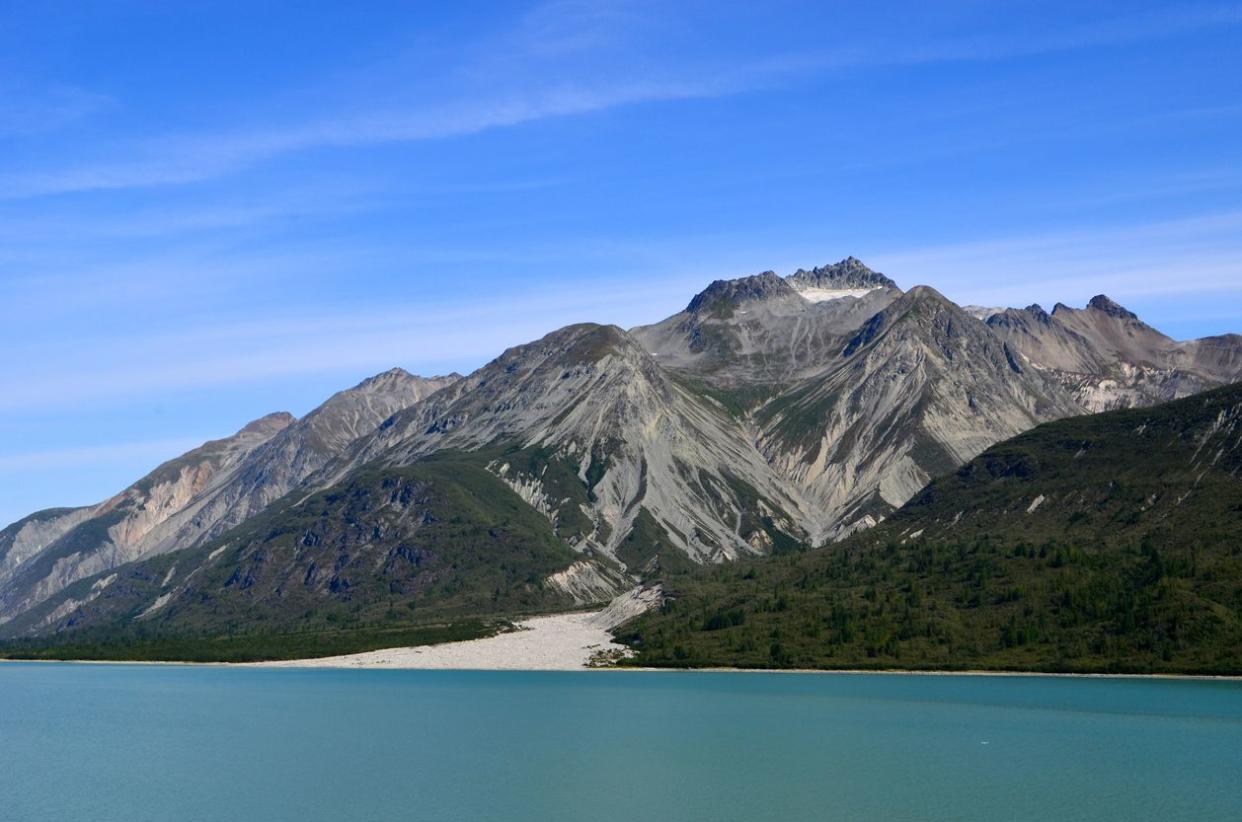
563 642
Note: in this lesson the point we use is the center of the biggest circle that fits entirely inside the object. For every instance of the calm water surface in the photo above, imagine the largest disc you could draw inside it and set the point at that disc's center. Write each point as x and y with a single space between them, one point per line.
131 743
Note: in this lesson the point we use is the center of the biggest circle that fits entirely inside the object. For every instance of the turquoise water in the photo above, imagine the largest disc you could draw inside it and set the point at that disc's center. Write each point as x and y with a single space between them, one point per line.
136 743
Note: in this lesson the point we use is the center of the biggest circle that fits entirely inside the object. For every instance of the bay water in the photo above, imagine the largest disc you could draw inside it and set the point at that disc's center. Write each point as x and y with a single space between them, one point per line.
169 742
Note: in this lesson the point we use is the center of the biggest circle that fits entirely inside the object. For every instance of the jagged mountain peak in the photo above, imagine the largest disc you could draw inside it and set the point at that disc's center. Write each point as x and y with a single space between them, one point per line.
850 273
1102 303
1102 315
724 295
922 312
925 294
1108 358
576 344
925 301
1015 318
762 330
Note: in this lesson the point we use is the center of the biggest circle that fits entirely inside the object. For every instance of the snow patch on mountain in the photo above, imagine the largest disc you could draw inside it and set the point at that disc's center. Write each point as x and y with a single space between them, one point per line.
823 295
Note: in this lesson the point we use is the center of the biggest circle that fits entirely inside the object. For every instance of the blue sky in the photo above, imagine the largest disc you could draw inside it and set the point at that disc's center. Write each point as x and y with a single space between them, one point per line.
211 211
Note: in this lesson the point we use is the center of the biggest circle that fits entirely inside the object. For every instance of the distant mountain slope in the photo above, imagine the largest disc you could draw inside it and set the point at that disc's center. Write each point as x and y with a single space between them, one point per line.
282 463
31 534
441 539
1106 542
85 541
197 495
855 393
1108 358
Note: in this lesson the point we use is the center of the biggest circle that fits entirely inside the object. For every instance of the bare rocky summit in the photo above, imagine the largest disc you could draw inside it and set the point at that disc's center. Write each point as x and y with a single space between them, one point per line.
1107 358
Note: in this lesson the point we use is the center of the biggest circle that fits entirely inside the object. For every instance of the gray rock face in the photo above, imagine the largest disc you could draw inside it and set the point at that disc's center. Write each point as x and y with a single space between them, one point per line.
30 535
855 400
87 541
724 296
766 331
196 496
1107 358
591 398
282 463
850 273
920 389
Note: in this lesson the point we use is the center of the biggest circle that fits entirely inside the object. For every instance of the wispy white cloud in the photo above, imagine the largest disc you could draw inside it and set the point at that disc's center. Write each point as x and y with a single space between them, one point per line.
92 456
426 338
194 158
1199 255
22 228
26 111
525 61
1129 28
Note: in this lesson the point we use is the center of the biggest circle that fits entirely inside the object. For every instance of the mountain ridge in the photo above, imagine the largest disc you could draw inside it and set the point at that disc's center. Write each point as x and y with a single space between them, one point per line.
773 414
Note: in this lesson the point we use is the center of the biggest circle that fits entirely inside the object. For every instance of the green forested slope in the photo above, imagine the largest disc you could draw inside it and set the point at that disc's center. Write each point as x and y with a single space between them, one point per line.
1110 542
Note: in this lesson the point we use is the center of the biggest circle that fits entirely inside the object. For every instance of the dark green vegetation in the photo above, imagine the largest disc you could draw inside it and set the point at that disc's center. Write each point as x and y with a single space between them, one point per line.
387 551
648 548
1103 543
136 645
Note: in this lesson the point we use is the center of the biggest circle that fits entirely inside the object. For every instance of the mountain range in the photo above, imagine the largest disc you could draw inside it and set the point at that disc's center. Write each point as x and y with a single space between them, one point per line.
771 415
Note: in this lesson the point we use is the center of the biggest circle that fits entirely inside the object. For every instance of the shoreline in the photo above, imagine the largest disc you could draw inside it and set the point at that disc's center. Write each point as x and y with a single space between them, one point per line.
302 664
581 641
